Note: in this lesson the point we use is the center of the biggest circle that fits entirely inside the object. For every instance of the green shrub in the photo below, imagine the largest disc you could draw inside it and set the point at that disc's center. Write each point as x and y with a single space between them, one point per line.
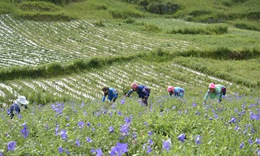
246 25
129 20
161 7
209 30
6 8
45 16
99 24
151 28
38 6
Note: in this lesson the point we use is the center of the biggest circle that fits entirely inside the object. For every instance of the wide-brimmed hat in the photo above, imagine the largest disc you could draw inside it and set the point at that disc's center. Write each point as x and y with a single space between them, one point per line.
22 100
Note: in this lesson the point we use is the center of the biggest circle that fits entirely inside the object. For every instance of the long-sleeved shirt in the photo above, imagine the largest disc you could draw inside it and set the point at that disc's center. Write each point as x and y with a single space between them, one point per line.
216 94
14 108
178 92
142 91
112 93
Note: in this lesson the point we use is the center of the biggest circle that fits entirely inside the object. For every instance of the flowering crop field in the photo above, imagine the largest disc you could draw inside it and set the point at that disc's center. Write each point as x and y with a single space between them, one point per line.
169 126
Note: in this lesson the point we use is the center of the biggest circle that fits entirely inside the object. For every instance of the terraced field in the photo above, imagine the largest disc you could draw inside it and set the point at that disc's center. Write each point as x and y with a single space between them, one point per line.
88 84
33 43
30 43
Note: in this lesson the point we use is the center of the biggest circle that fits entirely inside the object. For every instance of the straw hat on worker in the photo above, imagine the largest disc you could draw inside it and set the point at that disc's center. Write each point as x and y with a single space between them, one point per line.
22 100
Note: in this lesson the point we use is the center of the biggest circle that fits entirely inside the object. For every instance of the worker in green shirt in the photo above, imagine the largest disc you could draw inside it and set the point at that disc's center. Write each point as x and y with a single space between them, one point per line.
215 91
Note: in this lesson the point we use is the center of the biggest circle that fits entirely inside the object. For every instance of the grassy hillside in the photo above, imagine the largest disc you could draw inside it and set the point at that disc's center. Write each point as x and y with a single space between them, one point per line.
44 41
239 13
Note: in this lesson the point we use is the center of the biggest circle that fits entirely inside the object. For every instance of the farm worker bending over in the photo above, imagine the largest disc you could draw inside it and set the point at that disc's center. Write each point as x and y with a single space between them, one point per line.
111 93
142 91
177 91
15 107
215 91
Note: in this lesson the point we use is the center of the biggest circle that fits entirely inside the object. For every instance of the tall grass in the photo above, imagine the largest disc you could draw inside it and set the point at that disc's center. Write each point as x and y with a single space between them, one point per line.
6 7
209 30
57 69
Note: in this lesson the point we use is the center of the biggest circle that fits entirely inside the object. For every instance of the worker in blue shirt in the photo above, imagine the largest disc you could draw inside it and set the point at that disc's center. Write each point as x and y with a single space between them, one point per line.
111 94
176 91
142 91
15 107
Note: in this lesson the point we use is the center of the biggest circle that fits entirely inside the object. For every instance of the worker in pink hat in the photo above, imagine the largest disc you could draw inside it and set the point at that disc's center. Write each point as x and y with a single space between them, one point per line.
15 107
176 91
142 90
215 91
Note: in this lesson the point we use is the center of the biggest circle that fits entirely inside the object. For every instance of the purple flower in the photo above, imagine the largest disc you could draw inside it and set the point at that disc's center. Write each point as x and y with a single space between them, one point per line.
134 135
77 142
60 149
67 118
198 113
99 152
11 145
88 124
194 104
124 129
82 104
111 129
182 137
257 141
88 139
119 149
119 113
150 133
146 123
149 150
127 120
92 151
1 154
81 124
57 130
198 139
123 101
233 120
19 116
254 116
25 131
216 116
63 134
166 145
67 151
150 141
236 128
250 141
242 145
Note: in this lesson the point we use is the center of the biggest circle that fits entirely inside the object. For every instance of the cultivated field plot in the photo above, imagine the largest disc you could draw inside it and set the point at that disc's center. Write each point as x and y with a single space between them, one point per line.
33 43
88 84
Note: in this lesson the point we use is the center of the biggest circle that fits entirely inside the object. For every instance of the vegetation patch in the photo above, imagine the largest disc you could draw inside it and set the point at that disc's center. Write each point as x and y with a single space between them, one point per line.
209 30
125 14
46 16
38 7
